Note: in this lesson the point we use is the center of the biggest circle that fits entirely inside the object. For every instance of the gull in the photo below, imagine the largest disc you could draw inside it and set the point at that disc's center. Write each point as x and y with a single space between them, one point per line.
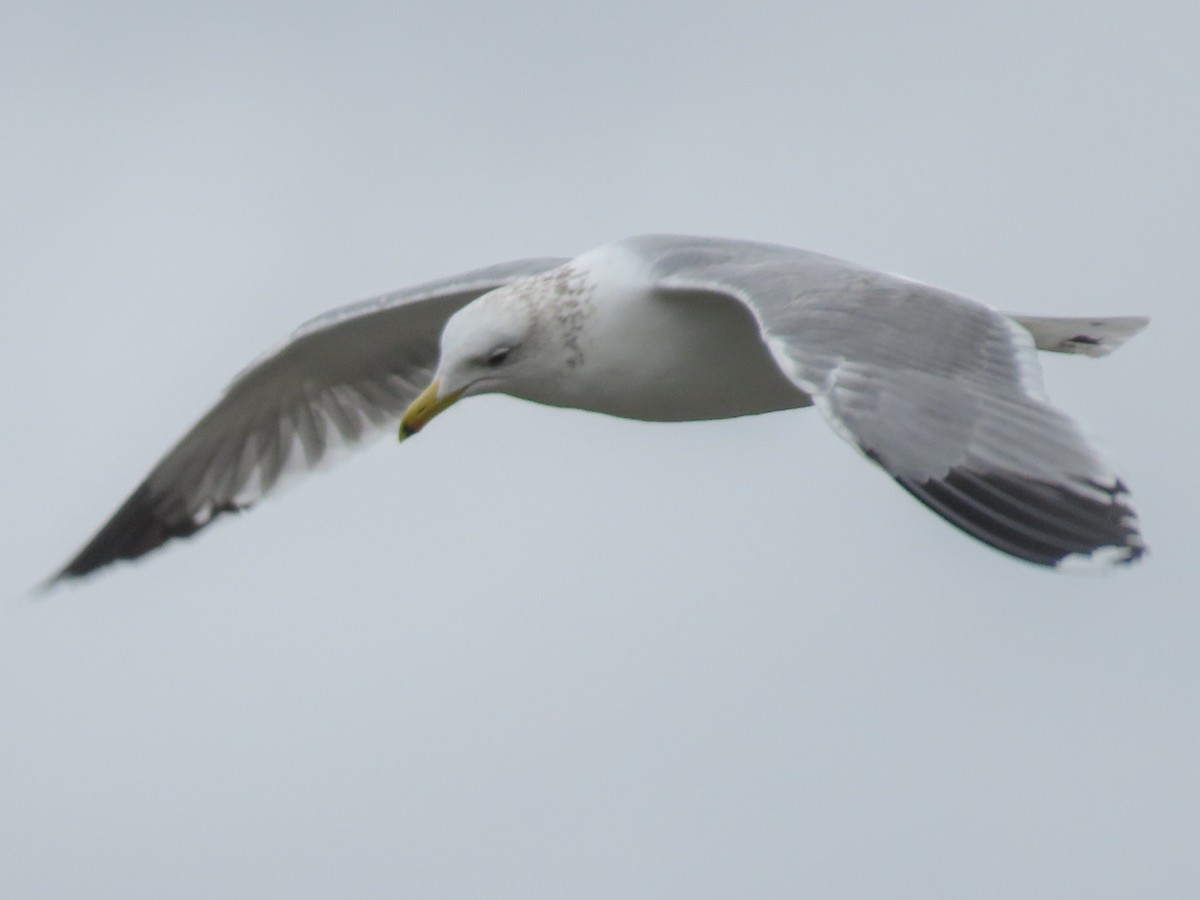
942 392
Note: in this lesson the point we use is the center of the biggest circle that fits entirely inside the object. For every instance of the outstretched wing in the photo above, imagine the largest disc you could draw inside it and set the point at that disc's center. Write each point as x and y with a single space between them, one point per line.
341 378
942 392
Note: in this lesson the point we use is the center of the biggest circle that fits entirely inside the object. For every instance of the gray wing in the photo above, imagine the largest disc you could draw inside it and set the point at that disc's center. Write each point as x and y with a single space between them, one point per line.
341 378
942 392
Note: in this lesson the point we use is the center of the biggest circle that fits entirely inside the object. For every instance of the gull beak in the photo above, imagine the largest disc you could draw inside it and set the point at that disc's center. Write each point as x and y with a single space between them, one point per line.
424 408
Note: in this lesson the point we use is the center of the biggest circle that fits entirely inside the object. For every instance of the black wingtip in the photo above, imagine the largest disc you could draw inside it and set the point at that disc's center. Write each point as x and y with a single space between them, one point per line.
1041 522
144 523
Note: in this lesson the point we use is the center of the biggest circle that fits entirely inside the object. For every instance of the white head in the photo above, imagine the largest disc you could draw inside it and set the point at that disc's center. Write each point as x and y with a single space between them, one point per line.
485 343
501 342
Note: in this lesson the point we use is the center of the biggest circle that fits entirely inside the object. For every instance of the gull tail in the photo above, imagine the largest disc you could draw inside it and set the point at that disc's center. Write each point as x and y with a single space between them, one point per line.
1091 337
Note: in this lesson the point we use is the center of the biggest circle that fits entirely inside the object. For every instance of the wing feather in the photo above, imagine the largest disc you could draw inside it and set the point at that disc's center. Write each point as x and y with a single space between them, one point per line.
340 379
942 392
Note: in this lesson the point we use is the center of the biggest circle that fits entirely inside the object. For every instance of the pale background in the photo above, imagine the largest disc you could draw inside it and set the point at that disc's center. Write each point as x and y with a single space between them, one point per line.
543 654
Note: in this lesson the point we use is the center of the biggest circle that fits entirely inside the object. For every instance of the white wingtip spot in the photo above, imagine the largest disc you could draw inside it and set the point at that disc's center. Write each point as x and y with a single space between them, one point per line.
1101 559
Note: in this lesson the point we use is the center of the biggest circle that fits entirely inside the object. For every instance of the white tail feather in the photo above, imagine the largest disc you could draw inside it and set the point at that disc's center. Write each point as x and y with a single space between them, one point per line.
1097 336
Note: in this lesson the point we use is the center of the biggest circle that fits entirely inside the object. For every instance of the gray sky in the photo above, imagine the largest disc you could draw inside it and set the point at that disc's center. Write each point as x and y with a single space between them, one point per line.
538 653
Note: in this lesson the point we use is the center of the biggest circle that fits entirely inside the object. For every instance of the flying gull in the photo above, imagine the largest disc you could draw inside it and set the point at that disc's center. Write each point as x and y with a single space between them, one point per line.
942 392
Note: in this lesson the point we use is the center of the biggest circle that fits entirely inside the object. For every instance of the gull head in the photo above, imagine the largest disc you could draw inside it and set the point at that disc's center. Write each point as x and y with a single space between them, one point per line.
492 344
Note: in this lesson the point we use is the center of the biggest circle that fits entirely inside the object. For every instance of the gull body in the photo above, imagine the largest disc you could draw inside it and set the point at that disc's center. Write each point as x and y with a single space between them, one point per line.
578 334
943 392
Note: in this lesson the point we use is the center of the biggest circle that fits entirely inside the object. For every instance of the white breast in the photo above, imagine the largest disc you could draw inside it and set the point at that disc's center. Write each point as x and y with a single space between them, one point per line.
638 353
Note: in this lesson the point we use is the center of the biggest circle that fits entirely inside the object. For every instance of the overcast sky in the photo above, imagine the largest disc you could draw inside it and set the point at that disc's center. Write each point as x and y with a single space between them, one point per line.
545 654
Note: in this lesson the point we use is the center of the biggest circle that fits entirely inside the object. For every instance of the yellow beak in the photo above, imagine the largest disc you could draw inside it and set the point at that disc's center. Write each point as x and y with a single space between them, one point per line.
424 408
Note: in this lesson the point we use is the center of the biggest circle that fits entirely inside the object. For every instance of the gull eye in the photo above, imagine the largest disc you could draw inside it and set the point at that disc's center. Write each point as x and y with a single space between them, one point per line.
497 357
